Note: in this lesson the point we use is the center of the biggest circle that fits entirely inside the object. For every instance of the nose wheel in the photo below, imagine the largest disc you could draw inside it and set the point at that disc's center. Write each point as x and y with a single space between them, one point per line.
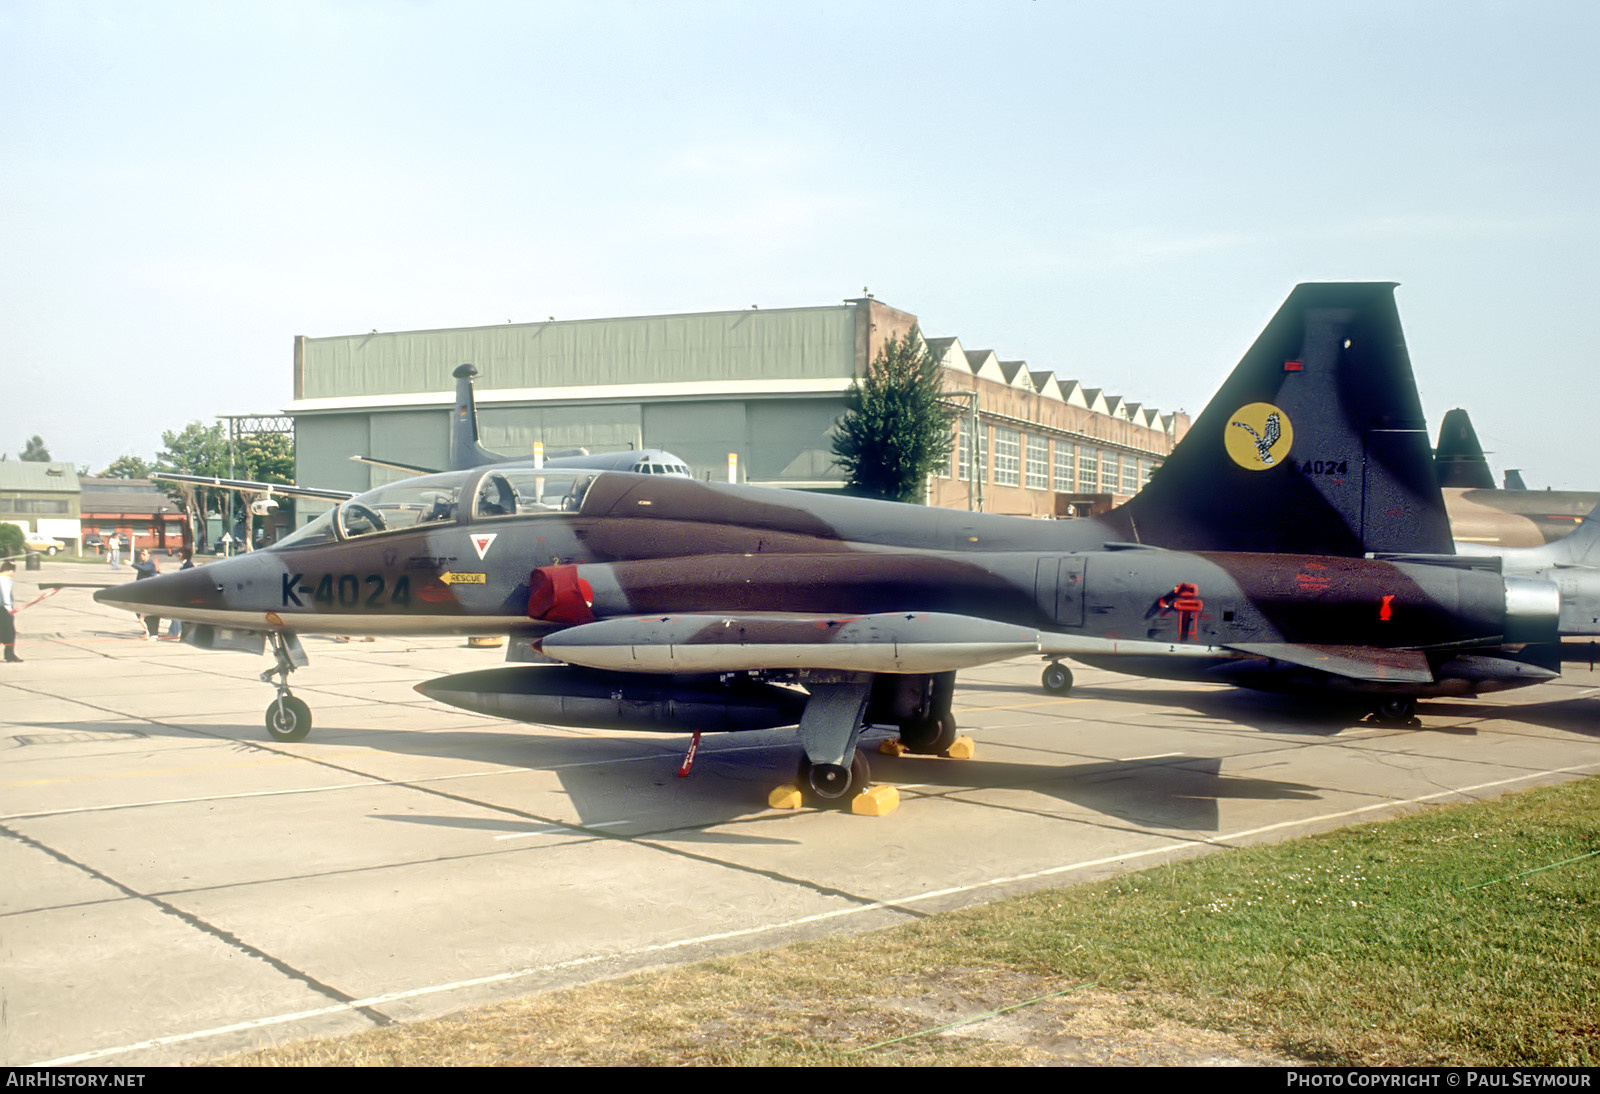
288 719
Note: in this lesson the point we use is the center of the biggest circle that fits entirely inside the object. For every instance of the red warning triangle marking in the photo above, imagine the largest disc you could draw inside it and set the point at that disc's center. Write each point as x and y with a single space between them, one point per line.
481 541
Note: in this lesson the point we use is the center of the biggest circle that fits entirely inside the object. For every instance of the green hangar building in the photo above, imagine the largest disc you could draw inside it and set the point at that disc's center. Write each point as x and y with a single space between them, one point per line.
764 385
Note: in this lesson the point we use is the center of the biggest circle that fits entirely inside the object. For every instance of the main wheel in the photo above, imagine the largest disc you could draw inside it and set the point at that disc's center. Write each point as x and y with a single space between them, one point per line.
929 736
833 784
1057 678
288 719
1396 711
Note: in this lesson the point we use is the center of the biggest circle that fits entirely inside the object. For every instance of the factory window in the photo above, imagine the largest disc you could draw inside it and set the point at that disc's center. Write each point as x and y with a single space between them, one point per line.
1007 445
1038 468
1130 475
1064 468
964 451
1088 470
1108 472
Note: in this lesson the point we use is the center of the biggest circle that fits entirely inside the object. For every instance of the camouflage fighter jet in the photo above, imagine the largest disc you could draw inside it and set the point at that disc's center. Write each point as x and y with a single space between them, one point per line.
680 606
1481 514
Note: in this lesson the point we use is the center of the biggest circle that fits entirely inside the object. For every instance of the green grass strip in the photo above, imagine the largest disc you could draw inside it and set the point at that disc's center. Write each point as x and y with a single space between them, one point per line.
1525 873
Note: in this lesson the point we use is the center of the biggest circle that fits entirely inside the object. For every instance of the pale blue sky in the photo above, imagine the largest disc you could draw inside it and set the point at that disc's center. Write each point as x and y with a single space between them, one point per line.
1122 193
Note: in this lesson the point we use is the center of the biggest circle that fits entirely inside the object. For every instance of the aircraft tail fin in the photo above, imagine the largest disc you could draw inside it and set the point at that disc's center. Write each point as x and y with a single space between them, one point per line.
1315 444
465 451
1514 479
1459 459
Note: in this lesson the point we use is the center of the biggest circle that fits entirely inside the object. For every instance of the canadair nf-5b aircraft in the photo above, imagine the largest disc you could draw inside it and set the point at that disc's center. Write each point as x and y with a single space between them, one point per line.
675 605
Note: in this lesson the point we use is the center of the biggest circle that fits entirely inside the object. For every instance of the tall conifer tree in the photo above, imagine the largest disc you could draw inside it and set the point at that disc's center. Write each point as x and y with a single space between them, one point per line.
894 430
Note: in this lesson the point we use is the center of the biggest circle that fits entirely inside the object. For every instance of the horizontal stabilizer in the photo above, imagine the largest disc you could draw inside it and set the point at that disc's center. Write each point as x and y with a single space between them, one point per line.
1356 662
1488 563
906 642
281 489
392 465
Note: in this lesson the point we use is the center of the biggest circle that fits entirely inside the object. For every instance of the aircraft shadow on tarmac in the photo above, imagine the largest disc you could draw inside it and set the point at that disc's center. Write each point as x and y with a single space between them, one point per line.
1258 710
1580 716
1171 792
627 784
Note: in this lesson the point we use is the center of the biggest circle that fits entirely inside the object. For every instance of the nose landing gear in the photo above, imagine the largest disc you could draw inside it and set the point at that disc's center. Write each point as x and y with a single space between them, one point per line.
288 718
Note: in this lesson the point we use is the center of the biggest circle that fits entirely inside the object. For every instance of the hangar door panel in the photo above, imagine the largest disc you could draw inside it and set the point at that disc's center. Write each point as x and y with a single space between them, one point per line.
702 434
790 439
420 438
607 427
323 445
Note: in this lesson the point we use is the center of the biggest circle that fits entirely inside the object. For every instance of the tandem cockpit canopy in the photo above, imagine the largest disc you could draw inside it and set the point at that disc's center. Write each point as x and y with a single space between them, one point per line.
445 499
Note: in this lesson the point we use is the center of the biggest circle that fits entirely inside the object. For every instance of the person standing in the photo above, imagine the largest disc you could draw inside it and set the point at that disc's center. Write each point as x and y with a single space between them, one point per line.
145 566
115 553
8 609
175 628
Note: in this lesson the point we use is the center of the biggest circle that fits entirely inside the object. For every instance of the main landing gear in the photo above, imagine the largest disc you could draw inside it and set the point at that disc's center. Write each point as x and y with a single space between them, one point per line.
1057 679
920 706
1397 710
833 772
288 718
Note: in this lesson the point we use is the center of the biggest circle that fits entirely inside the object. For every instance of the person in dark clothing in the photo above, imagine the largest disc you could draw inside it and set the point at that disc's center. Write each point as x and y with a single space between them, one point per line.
175 628
145 567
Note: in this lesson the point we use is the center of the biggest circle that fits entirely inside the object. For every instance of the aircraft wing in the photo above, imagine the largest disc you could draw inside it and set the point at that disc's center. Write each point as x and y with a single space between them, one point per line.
1355 662
257 487
901 642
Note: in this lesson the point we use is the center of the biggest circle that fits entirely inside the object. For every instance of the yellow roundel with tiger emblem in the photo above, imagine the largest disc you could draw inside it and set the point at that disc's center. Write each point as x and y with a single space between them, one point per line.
1258 436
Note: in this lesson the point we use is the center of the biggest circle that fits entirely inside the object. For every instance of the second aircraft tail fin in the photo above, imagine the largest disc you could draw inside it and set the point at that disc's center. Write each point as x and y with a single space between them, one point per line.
1459 459
465 451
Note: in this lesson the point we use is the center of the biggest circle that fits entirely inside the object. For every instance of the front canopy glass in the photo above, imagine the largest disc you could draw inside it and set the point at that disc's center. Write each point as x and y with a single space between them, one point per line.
438 500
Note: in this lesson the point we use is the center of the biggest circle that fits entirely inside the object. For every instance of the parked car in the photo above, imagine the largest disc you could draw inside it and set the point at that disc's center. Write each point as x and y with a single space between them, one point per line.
94 540
46 545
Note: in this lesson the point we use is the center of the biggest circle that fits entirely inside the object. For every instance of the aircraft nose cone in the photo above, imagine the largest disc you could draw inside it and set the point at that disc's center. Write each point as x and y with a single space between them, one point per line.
118 596
153 593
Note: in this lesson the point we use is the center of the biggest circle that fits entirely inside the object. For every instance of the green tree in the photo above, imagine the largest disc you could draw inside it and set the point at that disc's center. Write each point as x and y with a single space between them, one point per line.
127 467
11 544
266 457
894 430
35 451
195 450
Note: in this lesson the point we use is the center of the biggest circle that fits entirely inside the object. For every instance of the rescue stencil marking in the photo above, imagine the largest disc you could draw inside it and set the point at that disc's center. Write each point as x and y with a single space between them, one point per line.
1258 436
